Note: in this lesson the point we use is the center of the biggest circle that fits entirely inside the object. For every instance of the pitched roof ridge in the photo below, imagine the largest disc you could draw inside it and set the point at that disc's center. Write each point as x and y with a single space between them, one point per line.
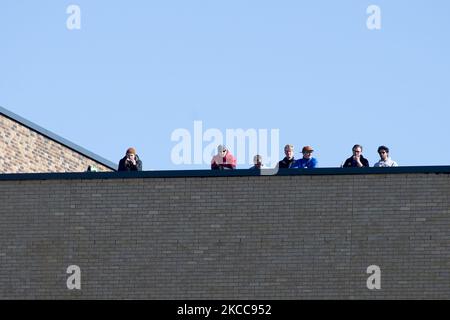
57 138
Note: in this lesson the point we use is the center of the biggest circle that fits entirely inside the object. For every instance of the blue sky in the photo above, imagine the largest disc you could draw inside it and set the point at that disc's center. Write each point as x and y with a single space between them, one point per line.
137 71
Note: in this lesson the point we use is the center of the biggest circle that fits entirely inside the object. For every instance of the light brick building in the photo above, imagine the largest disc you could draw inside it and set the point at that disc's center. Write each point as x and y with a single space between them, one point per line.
28 148
227 235
206 234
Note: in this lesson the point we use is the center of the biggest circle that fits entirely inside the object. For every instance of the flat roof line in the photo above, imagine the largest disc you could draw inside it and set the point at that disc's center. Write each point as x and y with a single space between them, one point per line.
224 173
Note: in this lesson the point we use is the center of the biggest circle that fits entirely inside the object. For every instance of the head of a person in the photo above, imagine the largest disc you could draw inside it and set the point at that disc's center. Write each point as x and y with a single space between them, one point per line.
257 161
383 151
289 151
131 153
307 152
222 150
357 150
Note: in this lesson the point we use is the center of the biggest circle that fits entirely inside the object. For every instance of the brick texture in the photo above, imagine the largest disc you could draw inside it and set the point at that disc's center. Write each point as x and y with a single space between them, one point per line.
23 150
261 237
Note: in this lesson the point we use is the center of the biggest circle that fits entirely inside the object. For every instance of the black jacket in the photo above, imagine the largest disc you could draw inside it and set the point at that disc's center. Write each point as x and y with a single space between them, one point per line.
123 166
286 163
352 163
216 166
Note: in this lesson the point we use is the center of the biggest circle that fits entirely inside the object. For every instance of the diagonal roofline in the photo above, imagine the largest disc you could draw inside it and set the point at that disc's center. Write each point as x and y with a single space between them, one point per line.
30 125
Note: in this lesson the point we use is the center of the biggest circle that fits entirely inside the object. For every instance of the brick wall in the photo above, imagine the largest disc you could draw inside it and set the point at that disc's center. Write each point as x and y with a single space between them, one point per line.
247 237
23 150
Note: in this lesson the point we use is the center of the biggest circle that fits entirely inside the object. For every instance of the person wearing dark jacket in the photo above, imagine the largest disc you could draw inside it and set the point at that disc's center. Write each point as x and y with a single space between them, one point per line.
257 160
130 162
357 160
289 159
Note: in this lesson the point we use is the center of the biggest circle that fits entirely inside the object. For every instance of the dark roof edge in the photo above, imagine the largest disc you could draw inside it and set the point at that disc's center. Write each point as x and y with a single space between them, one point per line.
57 138
224 173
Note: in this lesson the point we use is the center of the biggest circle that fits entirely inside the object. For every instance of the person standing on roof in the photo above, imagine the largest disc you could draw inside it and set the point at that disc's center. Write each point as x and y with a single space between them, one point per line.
307 161
131 161
385 160
257 161
223 160
289 159
356 160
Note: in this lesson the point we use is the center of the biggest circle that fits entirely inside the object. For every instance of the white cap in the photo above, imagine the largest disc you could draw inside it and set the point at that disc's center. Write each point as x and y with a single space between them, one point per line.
221 148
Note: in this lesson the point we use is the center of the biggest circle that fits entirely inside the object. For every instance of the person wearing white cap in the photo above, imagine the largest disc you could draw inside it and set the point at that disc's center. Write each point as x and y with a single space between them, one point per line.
223 160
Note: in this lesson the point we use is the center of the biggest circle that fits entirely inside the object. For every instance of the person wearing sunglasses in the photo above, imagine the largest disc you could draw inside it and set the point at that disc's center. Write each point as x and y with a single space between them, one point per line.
385 160
308 161
223 160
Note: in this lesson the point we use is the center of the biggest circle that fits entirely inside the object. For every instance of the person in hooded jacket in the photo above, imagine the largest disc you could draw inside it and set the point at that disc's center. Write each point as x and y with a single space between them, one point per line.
131 161
223 160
